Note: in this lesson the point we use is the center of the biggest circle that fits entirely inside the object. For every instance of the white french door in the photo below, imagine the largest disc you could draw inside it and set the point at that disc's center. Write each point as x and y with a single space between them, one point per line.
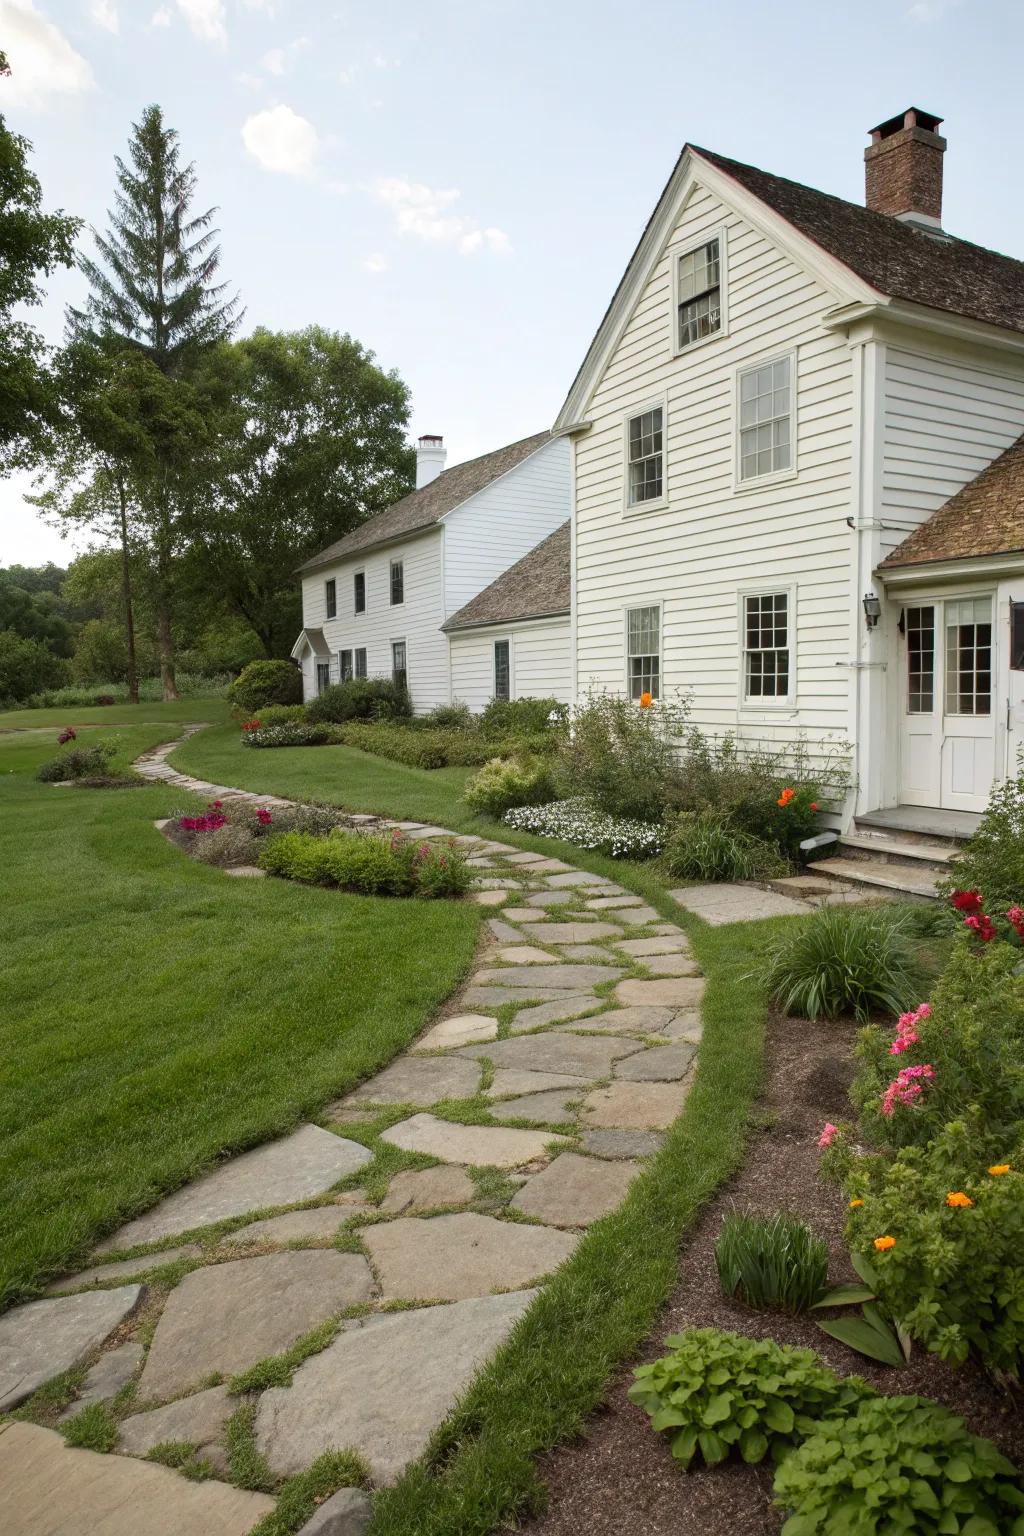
947 736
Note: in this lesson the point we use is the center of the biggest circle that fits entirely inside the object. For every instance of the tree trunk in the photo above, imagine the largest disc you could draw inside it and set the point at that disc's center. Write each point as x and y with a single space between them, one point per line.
126 595
165 641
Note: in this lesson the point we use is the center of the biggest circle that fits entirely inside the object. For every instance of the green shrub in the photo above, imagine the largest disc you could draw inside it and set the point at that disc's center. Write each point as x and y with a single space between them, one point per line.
266 682
190 686
898 1464
771 1261
844 960
992 860
26 666
282 714
503 783
292 733
954 1276
360 698
424 748
718 1392
521 717
448 717
704 847
368 864
78 763
623 758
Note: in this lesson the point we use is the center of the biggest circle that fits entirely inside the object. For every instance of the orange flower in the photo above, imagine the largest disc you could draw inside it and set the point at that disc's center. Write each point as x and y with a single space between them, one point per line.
855 1205
884 1243
786 796
957 1200
998 1168
646 700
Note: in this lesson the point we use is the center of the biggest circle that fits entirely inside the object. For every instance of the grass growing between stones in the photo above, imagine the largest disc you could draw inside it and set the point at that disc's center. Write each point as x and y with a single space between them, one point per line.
300 1495
94 1429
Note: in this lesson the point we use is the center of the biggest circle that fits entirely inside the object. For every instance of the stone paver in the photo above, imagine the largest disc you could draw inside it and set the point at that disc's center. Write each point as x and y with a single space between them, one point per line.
418 1080
574 1191
587 1056
384 1385
548 1107
625 1144
298 1167
503 932
197 1419
514 1080
588 952
633 917
608 903
449 1258
50 1489
123 1269
113 1370
671 965
318 1223
667 944
481 1146
685 1025
574 933
346 1513
666 1065
525 954
719 904
571 978
634 1106
500 997
672 992
524 914
44 1338
229 1316
563 1008
551 899
496 898
461 1029
641 1020
424 1189
577 877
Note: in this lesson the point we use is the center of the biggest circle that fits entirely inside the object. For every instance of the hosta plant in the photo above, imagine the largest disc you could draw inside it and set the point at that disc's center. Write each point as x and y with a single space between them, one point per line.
898 1464
719 1392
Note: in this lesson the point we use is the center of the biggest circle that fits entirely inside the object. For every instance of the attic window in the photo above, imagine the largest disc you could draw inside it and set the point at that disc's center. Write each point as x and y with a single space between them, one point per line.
699 293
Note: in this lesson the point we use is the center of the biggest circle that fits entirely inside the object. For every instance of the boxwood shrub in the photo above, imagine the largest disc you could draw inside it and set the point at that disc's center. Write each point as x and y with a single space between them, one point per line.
360 698
369 864
266 682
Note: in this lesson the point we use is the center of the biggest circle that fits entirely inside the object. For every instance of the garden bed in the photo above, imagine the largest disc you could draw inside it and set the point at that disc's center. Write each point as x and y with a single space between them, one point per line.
620 1477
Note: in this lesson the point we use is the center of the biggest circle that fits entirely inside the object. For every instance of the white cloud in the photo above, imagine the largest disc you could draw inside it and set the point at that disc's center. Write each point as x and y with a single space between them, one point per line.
346 76
931 10
375 263
280 140
425 212
104 14
206 19
277 61
268 7
160 17
43 62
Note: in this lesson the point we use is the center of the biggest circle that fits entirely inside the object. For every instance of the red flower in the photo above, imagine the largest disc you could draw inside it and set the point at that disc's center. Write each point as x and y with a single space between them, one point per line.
966 901
814 806
250 725
263 816
67 734
982 926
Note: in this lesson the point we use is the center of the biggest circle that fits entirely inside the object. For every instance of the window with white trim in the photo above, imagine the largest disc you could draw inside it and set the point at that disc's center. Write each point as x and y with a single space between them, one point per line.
359 592
399 664
643 651
502 669
331 598
344 665
360 660
699 293
397 583
766 418
645 456
767 646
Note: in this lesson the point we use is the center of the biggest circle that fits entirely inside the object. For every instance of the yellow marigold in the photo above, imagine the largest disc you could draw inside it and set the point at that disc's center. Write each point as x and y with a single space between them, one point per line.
856 1204
958 1200
998 1168
883 1243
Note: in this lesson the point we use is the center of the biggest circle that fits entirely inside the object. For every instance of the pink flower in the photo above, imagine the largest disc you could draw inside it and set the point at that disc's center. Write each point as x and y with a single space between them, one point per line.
906 1087
263 816
924 1011
982 926
828 1134
215 805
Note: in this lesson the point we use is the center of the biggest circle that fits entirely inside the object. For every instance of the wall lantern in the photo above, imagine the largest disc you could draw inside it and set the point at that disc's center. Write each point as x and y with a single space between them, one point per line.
872 609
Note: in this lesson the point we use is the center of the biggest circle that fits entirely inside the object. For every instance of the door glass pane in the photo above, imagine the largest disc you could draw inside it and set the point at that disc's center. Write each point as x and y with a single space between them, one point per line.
920 660
969 656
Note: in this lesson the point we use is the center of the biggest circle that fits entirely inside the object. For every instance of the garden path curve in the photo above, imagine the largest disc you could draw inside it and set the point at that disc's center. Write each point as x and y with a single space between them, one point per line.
578 1031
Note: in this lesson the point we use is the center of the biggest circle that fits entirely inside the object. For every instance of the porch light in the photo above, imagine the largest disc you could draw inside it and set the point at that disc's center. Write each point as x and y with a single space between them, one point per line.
872 609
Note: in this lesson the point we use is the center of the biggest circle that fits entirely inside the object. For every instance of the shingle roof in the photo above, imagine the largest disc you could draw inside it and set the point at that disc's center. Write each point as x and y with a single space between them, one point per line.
986 517
900 261
423 508
535 587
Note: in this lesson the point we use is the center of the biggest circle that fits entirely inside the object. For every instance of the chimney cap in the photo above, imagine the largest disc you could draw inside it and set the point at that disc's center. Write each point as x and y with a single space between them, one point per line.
430 437
913 117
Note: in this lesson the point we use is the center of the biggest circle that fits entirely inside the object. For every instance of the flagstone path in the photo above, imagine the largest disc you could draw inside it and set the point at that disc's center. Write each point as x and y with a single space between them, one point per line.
578 1032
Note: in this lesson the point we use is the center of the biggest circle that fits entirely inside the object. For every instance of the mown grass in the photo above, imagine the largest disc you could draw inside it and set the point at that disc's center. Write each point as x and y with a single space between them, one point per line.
213 711
157 1014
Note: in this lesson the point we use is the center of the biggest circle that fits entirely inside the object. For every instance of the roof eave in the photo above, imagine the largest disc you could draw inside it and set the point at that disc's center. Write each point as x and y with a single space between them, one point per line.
452 626
923 317
322 562
959 567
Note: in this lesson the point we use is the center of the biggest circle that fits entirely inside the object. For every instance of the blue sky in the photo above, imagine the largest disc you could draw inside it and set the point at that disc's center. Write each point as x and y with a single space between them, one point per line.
459 186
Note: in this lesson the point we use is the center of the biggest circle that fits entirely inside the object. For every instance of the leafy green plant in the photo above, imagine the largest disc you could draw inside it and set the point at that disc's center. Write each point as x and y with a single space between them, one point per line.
368 864
773 1261
992 860
78 763
299 1496
705 847
874 1333
360 698
449 717
93 1428
504 783
522 717
282 714
844 960
623 758
290 733
898 1464
718 1392
577 821
266 682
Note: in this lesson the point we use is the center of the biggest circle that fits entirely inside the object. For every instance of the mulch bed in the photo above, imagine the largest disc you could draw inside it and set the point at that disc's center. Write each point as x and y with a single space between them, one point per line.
620 1477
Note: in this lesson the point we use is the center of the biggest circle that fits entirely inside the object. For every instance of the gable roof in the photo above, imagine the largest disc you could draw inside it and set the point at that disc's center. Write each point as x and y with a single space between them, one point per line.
536 587
985 517
315 639
423 508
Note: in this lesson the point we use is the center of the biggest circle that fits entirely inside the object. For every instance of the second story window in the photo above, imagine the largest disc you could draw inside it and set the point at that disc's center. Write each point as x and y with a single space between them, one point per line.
766 419
646 456
397 583
331 598
699 294
359 592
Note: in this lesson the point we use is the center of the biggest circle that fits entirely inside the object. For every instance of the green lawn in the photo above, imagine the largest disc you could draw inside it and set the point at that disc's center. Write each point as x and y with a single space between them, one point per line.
212 710
156 1013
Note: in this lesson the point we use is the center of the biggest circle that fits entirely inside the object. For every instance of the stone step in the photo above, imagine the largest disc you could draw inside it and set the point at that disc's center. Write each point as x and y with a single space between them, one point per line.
904 880
887 850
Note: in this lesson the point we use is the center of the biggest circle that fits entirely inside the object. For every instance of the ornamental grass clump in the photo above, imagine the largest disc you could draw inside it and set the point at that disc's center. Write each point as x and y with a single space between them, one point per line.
719 1392
840 961
773 1261
705 847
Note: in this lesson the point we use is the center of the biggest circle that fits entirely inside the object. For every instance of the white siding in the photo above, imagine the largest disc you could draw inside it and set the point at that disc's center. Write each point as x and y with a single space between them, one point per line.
946 418
540 661
417 621
711 540
504 522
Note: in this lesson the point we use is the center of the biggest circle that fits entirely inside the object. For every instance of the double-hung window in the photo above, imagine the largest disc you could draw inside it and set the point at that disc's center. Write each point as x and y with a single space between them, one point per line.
399 666
344 665
643 651
359 592
331 598
323 676
397 583
645 456
767 418
360 659
502 669
767 646
699 293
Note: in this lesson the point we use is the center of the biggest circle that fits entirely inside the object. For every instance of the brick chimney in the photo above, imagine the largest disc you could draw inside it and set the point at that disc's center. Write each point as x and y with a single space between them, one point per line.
903 168
430 456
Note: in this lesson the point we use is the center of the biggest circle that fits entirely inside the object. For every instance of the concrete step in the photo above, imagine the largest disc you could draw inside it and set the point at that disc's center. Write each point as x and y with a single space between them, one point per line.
910 881
886 850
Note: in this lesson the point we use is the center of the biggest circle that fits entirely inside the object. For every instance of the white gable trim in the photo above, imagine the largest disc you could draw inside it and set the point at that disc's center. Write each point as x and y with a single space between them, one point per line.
692 171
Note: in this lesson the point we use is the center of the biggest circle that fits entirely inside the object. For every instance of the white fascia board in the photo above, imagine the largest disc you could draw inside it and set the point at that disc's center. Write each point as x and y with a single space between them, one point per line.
919 317
933 572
